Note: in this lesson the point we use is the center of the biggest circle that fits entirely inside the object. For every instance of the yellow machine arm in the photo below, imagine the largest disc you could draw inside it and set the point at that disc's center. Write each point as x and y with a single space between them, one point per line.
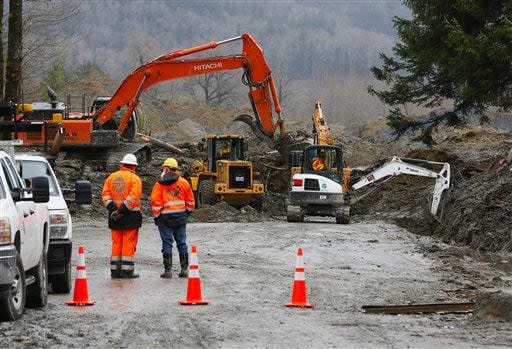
321 131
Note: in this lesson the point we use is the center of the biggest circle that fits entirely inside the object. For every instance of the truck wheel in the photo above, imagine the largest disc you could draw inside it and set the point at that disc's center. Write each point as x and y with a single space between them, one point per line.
62 283
13 306
294 214
342 215
37 293
206 193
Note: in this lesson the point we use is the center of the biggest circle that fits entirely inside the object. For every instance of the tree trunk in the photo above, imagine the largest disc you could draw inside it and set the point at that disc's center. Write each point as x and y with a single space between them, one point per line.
14 45
2 63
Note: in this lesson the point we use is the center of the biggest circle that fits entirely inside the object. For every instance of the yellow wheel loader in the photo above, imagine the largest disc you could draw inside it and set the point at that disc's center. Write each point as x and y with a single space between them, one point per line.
225 175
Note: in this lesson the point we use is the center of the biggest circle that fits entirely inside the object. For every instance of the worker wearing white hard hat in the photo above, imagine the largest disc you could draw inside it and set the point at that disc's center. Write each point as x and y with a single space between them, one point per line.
121 196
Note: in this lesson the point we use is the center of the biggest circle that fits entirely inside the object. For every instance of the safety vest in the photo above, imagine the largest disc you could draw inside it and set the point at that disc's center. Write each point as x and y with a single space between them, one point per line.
123 187
318 164
174 198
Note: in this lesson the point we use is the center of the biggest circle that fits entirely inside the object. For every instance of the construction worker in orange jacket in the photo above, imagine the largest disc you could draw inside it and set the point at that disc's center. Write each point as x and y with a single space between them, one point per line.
121 196
172 200
318 163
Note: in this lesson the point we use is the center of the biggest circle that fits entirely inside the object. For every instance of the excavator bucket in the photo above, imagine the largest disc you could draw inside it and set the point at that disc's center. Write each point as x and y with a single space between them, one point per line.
284 144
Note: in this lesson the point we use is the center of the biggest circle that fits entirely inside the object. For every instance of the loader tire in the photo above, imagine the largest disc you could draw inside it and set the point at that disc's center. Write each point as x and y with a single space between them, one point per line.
206 193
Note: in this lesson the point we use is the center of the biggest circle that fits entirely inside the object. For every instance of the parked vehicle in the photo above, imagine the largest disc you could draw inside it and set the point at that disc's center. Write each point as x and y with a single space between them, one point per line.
60 223
23 240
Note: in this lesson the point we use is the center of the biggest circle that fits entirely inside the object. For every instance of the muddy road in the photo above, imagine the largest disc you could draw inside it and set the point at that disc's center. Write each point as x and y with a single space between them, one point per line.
247 271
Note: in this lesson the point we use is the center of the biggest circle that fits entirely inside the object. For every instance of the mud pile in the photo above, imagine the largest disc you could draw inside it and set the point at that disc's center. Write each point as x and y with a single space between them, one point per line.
479 207
479 213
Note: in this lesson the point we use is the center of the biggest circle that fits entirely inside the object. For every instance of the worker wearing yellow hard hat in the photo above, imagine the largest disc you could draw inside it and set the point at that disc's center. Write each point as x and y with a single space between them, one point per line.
170 163
172 200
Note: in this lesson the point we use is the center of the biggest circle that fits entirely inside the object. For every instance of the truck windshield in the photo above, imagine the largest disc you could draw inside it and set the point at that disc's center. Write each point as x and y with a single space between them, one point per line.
29 169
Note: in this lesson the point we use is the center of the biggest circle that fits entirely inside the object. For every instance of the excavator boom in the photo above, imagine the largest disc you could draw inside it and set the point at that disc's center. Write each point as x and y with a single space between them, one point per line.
398 166
321 131
171 66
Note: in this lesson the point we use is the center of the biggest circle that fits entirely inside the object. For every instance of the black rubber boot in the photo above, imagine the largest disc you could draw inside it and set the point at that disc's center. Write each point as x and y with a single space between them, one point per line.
167 266
184 265
115 273
128 274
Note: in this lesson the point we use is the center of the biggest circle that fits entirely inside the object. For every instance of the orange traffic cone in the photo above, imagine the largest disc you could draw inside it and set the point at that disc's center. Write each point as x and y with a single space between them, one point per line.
299 292
194 296
81 292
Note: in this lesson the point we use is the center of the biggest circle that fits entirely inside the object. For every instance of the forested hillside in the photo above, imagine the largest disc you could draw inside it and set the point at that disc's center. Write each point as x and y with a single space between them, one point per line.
317 50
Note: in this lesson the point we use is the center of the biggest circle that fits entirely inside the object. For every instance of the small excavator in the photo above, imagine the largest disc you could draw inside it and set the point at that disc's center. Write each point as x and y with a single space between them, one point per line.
111 120
320 185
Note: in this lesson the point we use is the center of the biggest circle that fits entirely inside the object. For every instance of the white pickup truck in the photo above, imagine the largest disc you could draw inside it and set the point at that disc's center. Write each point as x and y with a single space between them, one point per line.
60 224
23 241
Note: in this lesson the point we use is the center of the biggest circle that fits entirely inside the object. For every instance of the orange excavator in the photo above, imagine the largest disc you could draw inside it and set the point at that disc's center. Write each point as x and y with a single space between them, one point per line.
111 120
257 76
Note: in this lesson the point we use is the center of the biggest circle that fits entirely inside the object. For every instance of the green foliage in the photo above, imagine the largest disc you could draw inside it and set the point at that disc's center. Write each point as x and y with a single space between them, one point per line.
143 123
56 77
458 50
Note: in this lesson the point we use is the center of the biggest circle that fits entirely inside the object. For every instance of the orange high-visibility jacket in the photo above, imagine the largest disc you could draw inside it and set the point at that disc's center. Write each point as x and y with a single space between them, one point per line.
176 198
318 164
123 187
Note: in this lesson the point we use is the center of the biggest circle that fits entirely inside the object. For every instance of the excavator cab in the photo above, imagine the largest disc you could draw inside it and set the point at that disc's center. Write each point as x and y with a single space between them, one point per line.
323 160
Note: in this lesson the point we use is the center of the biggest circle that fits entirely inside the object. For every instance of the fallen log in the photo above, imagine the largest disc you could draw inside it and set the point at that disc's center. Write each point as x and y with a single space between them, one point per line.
160 144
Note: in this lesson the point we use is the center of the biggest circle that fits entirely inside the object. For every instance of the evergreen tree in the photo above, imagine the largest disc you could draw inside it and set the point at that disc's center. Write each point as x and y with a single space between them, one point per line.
57 77
458 50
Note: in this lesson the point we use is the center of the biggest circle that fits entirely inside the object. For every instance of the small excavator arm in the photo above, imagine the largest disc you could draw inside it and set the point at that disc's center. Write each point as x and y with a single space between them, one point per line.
321 130
398 166
171 66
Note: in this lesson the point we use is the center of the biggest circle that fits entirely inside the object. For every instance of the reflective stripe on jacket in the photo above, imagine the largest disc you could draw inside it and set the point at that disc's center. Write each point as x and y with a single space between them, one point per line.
318 165
123 187
176 198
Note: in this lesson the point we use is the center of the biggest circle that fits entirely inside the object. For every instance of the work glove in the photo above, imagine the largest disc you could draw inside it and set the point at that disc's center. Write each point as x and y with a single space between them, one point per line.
156 220
116 215
188 212
111 207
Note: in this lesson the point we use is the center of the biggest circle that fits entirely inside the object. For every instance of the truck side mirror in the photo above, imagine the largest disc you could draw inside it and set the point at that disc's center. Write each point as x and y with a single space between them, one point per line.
83 193
40 189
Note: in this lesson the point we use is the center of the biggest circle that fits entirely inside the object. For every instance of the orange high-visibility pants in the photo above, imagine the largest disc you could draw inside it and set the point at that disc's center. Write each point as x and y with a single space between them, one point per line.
124 244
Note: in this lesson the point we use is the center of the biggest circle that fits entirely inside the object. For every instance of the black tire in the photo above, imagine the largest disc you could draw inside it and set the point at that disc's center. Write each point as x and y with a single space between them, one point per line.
206 193
13 306
62 283
37 293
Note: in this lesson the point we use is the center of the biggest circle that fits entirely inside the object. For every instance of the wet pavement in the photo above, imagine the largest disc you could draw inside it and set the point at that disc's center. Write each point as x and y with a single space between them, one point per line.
247 272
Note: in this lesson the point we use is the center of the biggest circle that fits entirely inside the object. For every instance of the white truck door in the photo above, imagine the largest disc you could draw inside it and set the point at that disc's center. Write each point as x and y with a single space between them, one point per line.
26 209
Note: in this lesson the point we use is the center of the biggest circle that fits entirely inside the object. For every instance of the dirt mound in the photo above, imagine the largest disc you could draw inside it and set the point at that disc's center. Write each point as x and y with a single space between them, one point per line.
479 212
222 212
495 305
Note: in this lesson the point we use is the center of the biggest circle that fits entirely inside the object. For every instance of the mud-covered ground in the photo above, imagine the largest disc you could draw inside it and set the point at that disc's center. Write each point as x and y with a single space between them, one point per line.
247 271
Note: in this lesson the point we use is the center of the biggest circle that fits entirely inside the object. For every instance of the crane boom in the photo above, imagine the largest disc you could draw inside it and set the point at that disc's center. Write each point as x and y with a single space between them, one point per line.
257 76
